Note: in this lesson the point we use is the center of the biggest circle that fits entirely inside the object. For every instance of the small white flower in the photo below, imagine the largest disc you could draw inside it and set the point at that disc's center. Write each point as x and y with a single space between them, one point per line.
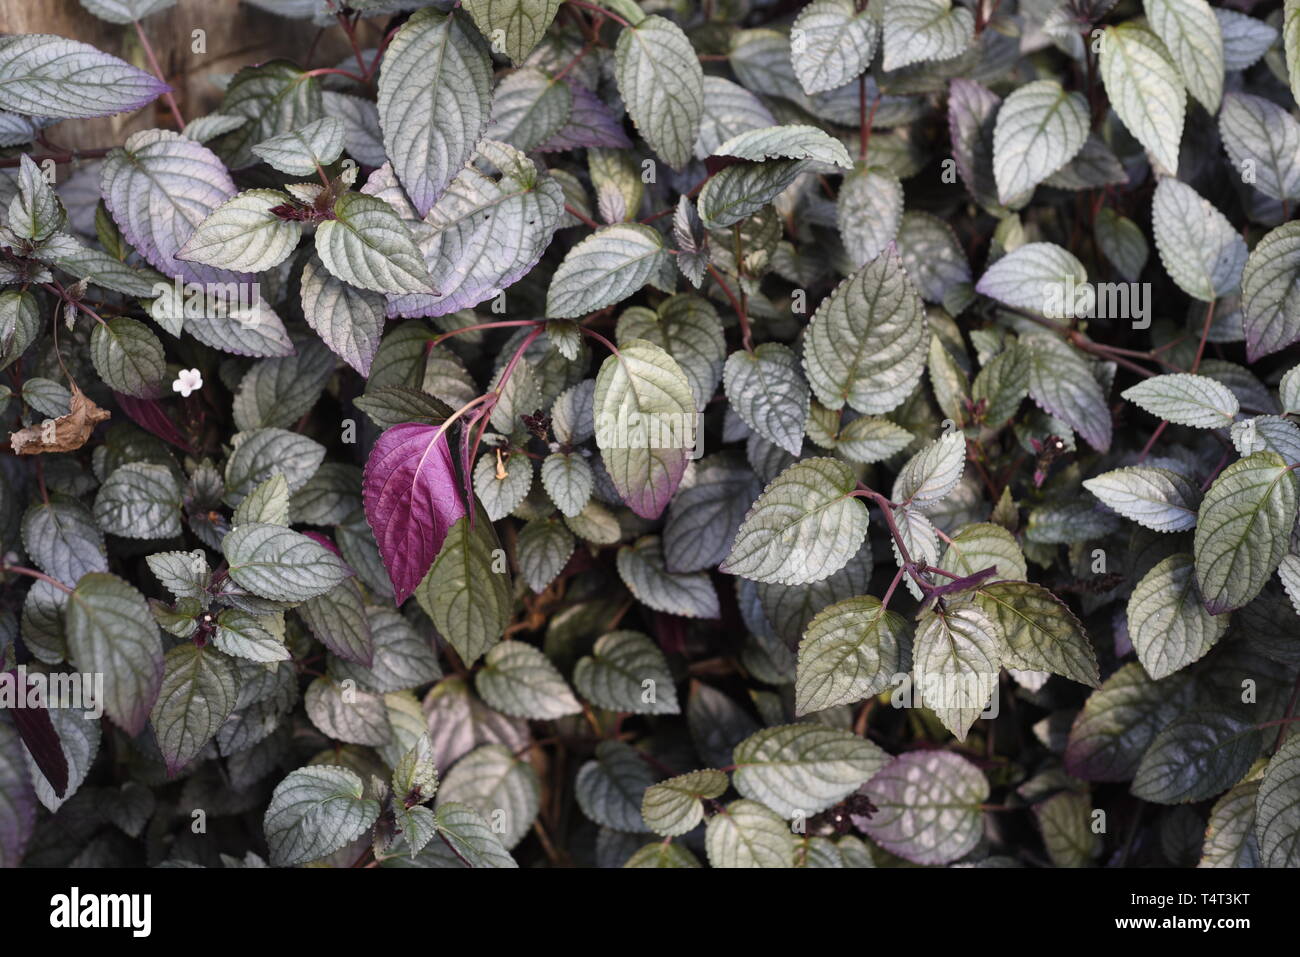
189 380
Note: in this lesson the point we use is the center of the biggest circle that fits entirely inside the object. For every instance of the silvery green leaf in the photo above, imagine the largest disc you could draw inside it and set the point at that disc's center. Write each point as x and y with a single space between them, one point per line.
1034 276
242 324
466 591
545 547
369 246
184 574
929 806
1245 39
935 262
831 43
958 651
261 453
850 651
626 671
111 632
703 519
728 109
1155 498
1095 166
804 527
984 545
62 537
920 30
1192 35
339 621
688 595
499 786
739 191
869 439
804 768
867 342
302 151
674 807
1118 723
346 713
1069 523
662 84
1192 400
1167 622
140 500
610 788
513 26
128 357
276 393
518 680
767 390
36 212
244 234
605 268
794 141
256 638
125 11
1277 819
597 524
1062 383
315 811
470 837
362 137
275 97
403 659
972 111
1263 139
20 321
204 128
1230 834
1122 243
1267 433
1040 127
1270 292
47 397
434 101
1144 89
1291 43
645 418
1242 530
1289 574
1209 266
528 108
101 269
274 562
567 478
502 483
747 834
1039 632
931 473
687 327
159 188
196 696
486 231
1199 754
868 212
49 76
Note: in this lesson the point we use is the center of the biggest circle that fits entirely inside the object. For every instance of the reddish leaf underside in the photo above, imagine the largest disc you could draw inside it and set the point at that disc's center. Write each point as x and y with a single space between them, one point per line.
411 500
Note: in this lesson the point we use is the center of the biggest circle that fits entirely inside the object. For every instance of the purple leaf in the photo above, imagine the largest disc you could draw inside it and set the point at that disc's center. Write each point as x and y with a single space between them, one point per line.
591 123
411 500
149 415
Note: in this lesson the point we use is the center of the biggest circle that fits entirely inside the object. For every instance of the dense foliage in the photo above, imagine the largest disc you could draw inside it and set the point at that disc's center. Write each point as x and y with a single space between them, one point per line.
735 432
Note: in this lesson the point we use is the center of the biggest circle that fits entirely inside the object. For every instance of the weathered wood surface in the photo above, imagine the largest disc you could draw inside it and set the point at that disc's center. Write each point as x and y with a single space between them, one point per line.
236 34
